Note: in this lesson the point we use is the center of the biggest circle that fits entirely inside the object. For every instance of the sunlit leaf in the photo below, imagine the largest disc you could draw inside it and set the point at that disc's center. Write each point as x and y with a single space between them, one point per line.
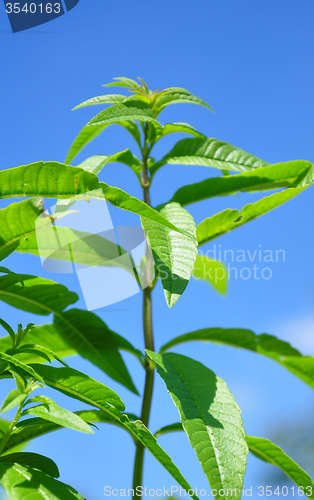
81 387
228 220
49 179
210 417
17 221
49 410
21 482
209 152
272 177
271 453
174 254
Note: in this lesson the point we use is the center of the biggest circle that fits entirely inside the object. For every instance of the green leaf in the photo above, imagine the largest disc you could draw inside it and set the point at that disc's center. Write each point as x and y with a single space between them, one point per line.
268 345
38 295
128 111
50 411
85 136
123 200
96 163
47 337
22 332
90 132
228 220
32 428
176 97
15 362
124 82
157 131
21 482
209 153
169 428
210 417
174 254
271 177
271 453
8 329
33 460
35 352
88 335
79 386
13 399
19 378
213 271
17 221
31 348
4 270
49 179
103 99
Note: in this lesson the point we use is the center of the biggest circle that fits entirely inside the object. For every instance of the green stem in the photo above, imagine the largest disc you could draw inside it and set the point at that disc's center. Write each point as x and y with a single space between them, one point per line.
149 343
8 433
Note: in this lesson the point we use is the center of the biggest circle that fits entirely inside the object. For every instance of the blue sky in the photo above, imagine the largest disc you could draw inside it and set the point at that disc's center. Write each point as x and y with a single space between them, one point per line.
253 63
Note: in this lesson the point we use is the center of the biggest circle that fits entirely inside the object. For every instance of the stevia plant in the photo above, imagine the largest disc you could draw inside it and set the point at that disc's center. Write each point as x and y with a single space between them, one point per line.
208 412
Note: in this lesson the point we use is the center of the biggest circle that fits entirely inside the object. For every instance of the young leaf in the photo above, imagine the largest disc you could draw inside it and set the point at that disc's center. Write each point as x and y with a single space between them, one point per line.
17 221
228 220
8 329
210 417
33 460
213 271
271 453
128 111
209 153
38 295
176 97
122 81
13 399
50 411
49 179
174 254
103 99
21 482
271 177
21 334
90 337
47 337
79 386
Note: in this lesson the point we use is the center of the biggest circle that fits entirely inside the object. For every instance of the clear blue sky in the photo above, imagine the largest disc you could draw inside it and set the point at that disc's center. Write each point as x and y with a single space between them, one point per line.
253 63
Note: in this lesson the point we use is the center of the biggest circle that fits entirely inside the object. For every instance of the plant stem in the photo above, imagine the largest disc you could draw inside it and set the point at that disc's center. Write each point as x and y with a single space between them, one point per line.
149 342
8 433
